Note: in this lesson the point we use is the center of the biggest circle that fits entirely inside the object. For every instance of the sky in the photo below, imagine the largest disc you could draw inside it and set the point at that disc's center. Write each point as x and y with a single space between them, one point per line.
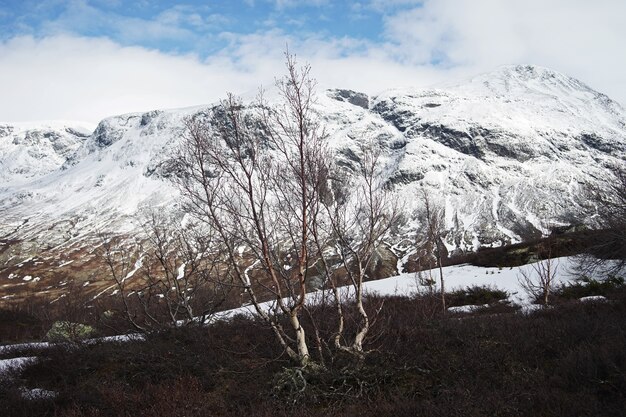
85 60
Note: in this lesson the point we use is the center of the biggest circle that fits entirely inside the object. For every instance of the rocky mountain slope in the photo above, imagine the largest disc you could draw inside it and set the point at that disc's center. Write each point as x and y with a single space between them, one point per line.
508 154
30 151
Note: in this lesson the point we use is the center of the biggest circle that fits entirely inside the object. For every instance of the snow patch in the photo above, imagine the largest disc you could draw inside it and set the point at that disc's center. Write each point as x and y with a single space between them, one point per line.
593 299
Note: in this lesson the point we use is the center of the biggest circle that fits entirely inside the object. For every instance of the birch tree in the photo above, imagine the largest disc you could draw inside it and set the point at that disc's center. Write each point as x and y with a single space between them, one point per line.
262 178
540 279
430 238
254 176
359 216
608 253
164 277
181 271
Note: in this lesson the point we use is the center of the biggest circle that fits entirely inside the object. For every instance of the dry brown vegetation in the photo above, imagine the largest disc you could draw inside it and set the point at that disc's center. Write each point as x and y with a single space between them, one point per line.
569 360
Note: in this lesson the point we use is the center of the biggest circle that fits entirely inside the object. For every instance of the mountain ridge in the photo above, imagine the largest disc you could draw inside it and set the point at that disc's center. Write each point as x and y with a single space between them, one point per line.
509 154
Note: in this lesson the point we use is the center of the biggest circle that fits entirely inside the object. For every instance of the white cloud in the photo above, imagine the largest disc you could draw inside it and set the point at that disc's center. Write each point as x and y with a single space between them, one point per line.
385 5
71 77
66 77
282 4
74 78
579 37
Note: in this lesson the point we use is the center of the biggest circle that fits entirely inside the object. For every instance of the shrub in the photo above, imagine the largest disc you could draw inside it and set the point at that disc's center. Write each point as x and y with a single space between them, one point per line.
567 360
65 331
18 325
585 286
476 295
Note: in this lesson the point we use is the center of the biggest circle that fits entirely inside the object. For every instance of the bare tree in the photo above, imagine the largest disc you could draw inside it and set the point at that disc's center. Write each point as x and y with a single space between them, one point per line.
254 176
430 239
122 261
181 270
261 177
359 215
165 277
608 252
540 279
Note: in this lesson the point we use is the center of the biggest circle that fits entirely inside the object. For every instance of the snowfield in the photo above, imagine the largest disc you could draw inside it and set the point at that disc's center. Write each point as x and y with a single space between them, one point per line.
455 278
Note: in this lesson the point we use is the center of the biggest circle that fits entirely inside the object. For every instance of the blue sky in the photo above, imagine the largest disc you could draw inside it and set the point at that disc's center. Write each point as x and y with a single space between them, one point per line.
198 27
87 59
192 26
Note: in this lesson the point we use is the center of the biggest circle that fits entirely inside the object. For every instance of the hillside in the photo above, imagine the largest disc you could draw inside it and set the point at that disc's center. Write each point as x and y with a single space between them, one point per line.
509 154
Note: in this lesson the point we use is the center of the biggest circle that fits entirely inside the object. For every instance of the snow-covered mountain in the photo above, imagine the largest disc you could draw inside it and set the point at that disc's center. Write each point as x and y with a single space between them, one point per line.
507 153
31 150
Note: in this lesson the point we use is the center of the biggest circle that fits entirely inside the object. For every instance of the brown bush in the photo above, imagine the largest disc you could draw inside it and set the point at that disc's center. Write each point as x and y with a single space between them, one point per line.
568 360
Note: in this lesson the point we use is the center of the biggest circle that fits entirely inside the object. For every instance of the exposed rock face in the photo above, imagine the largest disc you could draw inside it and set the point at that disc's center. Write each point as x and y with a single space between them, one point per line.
349 96
507 154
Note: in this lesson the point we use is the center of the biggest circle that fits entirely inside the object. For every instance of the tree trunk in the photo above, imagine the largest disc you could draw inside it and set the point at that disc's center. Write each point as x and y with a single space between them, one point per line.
303 350
443 288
